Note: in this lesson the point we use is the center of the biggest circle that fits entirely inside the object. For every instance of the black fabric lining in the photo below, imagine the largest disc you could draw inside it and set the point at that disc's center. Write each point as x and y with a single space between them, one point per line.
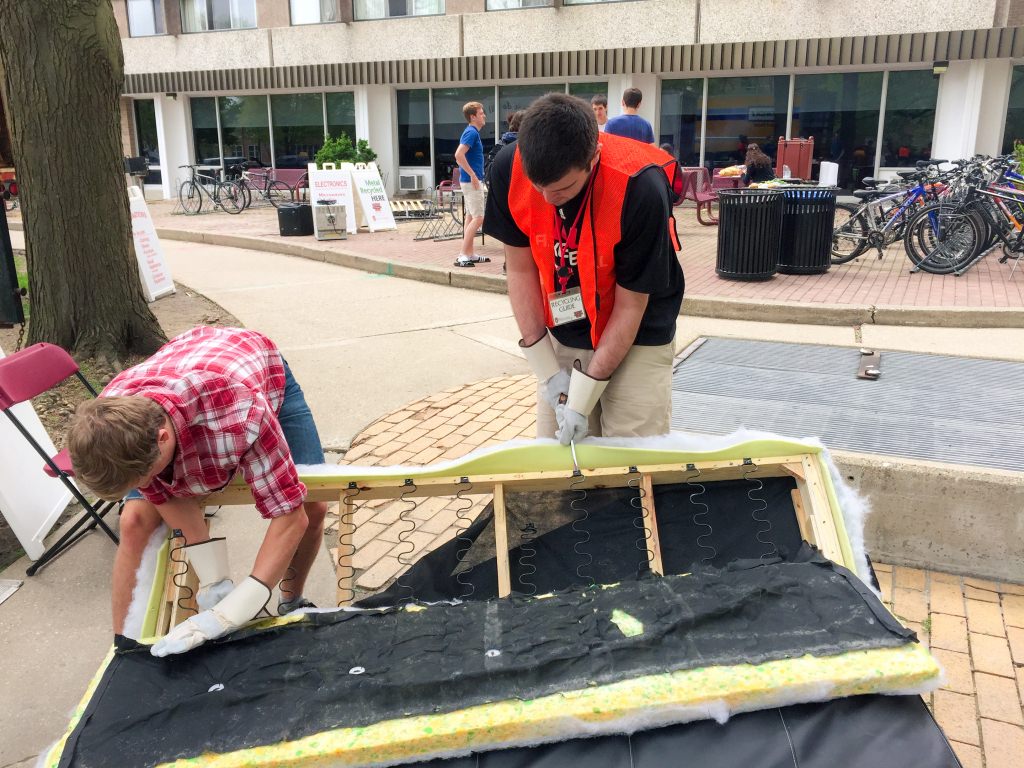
292 681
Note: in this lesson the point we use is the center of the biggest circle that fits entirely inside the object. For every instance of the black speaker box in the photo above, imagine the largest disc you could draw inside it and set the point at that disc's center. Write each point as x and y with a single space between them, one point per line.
295 219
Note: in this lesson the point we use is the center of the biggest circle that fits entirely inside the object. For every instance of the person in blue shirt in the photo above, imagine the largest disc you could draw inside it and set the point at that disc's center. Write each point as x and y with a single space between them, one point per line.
470 157
629 123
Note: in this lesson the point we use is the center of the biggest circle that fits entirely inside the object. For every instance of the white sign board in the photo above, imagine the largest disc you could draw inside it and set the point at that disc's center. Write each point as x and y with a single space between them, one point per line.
335 184
30 500
374 208
156 277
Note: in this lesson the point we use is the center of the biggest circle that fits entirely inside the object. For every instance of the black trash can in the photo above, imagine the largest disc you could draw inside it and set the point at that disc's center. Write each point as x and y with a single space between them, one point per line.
749 229
807 231
294 219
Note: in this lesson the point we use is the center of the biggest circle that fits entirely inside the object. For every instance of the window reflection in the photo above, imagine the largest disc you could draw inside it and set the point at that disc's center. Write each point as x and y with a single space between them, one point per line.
909 119
449 124
298 128
204 130
681 102
1014 128
743 111
414 127
245 129
146 137
840 111
341 114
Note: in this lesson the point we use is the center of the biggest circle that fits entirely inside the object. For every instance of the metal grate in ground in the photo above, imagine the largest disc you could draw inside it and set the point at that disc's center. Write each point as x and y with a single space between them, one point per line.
932 407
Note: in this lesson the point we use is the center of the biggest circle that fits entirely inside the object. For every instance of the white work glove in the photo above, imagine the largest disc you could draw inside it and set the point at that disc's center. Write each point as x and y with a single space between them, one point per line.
210 595
235 610
574 417
553 379
209 560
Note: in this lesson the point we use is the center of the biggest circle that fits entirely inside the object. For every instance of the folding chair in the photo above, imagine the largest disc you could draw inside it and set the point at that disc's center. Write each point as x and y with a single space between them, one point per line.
25 375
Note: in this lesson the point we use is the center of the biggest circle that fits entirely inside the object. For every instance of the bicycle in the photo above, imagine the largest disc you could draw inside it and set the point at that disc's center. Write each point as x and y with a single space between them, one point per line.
958 233
881 219
226 195
261 183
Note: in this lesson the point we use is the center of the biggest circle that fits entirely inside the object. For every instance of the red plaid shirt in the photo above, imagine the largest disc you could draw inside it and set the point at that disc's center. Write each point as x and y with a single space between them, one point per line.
222 389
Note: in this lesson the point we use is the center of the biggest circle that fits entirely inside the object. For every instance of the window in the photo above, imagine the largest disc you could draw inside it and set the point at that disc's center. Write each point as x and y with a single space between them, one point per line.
204 130
414 128
587 2
743 111
841 112
384 9
245 129
146 137
207 15
341 115
587 91
314 11
505 5
909 119
681 102
1014 128
515 97
146 18
449 123
298 128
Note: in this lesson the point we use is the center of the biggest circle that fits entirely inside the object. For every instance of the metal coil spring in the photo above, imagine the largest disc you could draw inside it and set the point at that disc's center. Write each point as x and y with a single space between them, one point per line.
406 548
177 557
705 515
463 521
527 552
760 505
583 514
344 571
287 593
640 521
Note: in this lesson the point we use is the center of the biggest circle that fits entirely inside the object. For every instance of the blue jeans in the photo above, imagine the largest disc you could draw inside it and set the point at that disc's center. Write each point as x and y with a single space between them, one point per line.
297 425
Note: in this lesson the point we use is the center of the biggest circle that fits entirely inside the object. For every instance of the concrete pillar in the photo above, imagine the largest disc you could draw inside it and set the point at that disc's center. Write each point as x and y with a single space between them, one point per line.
971 110
172 128
376 121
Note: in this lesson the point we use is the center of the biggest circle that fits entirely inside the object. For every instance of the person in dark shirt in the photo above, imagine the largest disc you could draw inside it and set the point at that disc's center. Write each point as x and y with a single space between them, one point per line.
593 277
759 166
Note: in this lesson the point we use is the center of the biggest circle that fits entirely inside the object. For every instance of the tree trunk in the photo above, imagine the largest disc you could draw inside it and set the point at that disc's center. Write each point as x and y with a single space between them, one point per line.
62 70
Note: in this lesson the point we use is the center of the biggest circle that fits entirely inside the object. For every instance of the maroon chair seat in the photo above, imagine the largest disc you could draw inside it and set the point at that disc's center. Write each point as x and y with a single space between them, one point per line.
63 462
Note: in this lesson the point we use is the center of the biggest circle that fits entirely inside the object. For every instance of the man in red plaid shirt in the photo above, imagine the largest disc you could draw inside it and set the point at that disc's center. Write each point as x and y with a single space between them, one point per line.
177 427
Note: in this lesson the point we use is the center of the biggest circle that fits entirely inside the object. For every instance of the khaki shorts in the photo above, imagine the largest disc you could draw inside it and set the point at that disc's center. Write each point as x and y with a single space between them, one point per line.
637 401
474 199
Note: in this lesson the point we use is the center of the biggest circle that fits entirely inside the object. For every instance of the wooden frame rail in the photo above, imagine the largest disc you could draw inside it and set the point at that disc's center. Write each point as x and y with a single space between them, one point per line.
814 513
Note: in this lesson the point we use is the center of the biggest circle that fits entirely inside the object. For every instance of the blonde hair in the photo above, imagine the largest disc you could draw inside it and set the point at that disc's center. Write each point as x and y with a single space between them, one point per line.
113 443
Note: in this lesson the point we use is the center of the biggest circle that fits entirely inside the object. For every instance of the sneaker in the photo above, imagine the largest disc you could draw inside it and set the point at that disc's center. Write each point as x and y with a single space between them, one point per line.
479 259
288 606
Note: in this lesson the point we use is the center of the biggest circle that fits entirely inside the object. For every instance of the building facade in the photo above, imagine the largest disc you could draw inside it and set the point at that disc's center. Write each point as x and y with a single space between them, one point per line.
877 84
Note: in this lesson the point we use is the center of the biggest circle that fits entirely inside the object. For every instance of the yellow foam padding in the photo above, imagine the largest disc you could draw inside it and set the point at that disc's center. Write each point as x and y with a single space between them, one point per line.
621 707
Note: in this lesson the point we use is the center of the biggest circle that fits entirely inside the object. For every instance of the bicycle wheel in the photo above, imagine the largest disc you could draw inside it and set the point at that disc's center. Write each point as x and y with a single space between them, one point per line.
191 197
849 234
246 192
942 239
230 197
278 192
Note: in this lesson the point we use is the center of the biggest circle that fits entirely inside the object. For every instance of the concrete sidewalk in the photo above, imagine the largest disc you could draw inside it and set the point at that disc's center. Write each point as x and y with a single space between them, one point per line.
365 346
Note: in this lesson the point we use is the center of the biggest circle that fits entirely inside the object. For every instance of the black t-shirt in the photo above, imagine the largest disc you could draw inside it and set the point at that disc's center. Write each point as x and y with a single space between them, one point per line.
645 261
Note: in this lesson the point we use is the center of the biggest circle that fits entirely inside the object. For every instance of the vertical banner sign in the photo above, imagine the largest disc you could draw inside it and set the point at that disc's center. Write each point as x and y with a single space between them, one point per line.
334 184
156 277
30 500
374 207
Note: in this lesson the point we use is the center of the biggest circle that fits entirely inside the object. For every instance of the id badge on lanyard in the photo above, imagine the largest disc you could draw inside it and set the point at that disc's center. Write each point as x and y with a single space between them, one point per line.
566 307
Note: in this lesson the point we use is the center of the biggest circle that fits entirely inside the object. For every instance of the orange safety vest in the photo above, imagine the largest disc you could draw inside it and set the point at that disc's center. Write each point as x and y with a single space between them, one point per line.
621 160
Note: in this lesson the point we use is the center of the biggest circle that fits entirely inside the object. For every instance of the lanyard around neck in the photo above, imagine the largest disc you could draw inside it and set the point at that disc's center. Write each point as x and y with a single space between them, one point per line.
567 241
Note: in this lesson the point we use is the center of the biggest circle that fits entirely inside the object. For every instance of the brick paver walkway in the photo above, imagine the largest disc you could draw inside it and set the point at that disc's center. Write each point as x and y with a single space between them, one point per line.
975 628
869 281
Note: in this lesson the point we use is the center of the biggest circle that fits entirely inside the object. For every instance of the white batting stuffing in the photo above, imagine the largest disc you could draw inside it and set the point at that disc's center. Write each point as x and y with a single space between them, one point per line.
143 584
